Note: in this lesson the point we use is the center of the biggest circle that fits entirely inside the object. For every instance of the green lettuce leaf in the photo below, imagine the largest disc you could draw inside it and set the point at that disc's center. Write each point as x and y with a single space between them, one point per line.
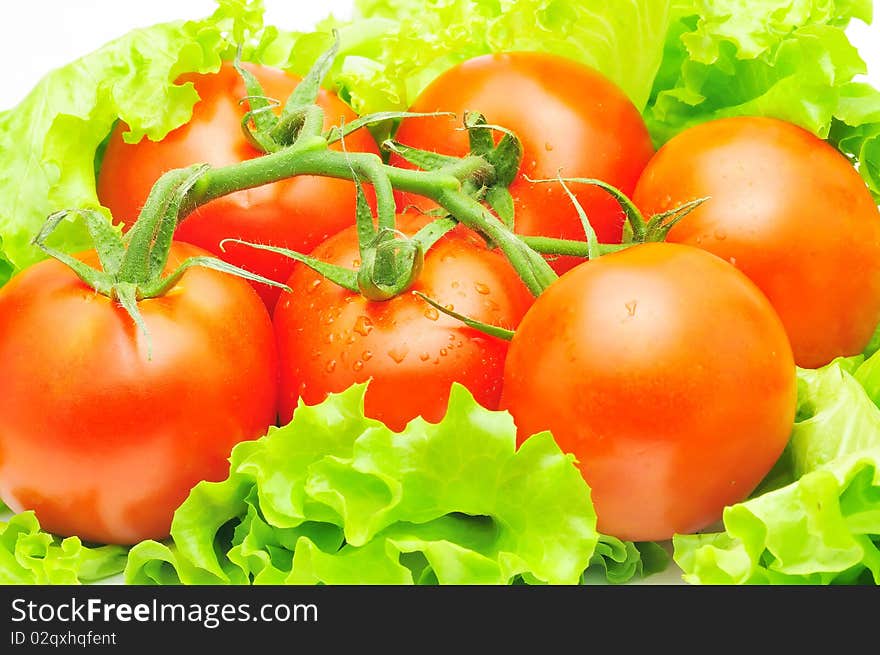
6 269
30 556
821 522
338 498
48 143
787 59
394 48
618 562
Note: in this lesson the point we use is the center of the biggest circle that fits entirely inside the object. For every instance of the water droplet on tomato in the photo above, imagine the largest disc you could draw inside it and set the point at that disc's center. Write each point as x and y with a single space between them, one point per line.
363 325
424 357
721 235
548 146
631 307
732 261
481 288
331 366
314 285
367 355
355 263
443 352
431 314
350 339
455 284
358 365
398 354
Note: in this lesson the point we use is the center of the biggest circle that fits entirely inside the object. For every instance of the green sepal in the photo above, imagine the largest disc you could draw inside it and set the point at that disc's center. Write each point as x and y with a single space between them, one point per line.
260 111
100 281
480 140
505 157
424 159
501 202
593 251
338 132
485 328
306 92
433 232
344 277
659 225
163 285
126 294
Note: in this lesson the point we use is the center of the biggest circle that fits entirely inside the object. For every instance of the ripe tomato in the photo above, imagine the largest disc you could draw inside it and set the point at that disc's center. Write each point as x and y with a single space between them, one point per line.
569 118
297 213
789 211
668 375
330 338
103 442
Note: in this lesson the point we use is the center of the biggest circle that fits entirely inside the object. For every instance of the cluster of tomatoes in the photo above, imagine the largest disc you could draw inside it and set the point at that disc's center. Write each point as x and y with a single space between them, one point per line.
667 369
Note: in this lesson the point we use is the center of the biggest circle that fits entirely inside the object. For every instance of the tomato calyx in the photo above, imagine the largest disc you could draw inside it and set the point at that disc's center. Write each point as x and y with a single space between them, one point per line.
300 117
636 228
133 265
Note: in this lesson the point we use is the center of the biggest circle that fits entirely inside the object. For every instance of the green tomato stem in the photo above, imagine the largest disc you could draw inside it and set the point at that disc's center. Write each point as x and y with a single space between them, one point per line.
312 157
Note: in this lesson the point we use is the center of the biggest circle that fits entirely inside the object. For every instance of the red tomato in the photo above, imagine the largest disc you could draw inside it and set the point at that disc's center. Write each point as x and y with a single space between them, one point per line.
297 213
103 442
668 375
789 211
569 118
330 338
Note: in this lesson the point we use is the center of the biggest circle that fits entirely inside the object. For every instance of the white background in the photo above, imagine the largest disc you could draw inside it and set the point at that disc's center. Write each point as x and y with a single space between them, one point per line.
39 35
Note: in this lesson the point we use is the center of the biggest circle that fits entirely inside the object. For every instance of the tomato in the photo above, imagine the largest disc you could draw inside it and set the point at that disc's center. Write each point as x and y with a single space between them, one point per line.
668 375
297 213
569 118
788 210
99 439
330 338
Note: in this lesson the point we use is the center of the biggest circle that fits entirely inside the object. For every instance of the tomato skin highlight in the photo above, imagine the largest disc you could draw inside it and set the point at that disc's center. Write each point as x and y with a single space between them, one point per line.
788 210
667 374
330 338
101 442
296 213
570 119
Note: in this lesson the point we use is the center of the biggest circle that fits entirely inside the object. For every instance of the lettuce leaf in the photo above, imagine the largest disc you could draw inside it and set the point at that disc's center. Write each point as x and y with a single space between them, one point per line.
5 273
338 498
821 524
787 59
30 556
49 141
